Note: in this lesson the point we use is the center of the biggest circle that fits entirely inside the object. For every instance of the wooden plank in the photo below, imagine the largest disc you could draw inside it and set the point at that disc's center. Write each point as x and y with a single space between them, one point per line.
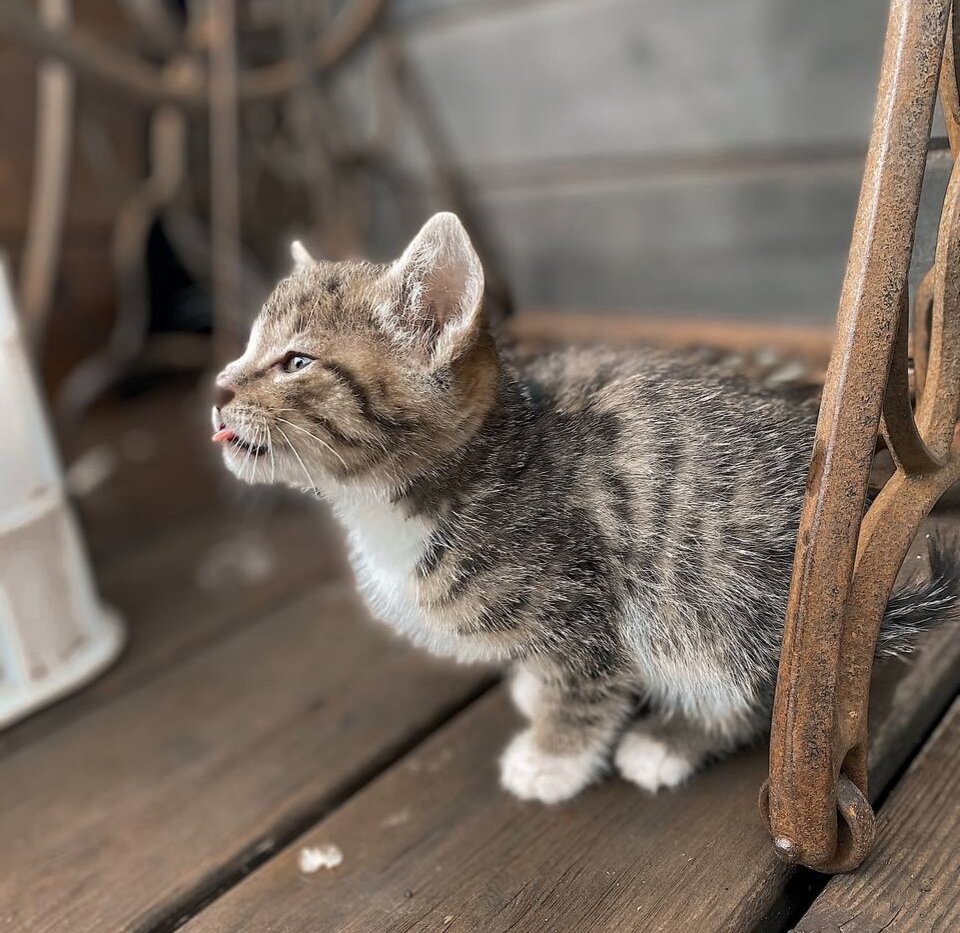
550 329
910 880
184 589
158 469
151 803
434 844
768 245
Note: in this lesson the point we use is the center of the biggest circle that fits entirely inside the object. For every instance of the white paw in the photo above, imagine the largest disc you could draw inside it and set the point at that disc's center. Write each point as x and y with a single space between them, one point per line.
531 774
525 689
651 763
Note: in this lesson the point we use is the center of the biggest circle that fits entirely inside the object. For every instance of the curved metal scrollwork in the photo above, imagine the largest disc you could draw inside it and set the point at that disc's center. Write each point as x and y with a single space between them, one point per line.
816 802
899 427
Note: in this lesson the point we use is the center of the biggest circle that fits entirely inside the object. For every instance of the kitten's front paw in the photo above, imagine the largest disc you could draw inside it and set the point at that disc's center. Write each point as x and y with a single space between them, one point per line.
532 774
525 690
651 763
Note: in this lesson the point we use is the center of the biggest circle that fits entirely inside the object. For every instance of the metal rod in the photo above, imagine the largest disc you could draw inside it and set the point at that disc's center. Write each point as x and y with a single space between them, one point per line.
115 70
84 384
224 175
843 574
51 181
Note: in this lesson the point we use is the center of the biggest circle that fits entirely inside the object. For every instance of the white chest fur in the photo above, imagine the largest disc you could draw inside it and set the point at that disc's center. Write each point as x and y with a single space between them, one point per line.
386 546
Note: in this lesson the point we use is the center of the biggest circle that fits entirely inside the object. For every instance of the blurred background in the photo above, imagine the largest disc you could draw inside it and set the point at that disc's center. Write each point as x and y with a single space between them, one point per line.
674 160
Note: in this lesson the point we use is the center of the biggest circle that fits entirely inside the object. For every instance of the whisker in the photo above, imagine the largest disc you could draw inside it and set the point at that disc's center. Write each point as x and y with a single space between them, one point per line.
360 441
273 460
258 445
246 457
319 440
254 432
293 450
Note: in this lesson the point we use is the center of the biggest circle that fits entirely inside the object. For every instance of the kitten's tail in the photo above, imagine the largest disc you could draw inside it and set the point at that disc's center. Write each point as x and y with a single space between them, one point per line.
923 603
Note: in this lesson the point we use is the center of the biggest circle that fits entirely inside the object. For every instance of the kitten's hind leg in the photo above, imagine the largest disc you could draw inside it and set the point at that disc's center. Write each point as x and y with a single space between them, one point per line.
659 751
574 726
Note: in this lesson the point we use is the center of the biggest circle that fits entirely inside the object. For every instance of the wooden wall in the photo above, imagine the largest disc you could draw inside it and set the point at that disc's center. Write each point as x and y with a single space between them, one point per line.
676 156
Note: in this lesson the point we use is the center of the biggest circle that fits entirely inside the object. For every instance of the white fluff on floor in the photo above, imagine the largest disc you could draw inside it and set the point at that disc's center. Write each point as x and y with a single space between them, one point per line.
313 858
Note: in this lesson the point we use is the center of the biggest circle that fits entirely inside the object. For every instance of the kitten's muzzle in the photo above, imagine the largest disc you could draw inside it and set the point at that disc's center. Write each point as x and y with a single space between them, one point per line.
222 394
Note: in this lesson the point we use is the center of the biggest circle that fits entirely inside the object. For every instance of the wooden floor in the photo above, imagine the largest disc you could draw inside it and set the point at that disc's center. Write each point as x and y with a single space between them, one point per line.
258 710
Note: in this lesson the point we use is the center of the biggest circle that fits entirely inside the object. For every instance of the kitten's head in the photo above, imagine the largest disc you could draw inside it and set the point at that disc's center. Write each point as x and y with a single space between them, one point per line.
362 374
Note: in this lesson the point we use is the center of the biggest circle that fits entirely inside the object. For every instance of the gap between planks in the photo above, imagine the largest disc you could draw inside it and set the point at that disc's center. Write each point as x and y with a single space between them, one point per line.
909 881
152 803
434 844
208 890
170 612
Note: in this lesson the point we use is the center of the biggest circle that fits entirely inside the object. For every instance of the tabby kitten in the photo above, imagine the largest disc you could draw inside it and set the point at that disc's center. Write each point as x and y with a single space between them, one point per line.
617 528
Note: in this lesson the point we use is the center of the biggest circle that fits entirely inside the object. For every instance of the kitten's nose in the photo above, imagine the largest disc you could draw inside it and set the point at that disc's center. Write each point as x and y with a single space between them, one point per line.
222 394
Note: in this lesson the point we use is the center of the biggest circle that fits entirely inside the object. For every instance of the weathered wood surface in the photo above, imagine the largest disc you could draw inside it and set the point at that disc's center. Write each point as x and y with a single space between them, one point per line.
152 802
911 882
148 465
434 844
521 81
249 710
181 591
608 184
183 558
253 694
811 343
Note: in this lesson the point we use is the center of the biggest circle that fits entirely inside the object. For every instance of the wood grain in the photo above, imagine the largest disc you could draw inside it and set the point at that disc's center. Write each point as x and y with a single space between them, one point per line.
910 881
182 562
162 469
811 343
232 726
149 804
434 844
182 589
588 78
228 723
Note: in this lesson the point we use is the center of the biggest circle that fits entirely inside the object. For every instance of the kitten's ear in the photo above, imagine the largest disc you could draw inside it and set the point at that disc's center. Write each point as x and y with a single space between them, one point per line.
301 256
440 286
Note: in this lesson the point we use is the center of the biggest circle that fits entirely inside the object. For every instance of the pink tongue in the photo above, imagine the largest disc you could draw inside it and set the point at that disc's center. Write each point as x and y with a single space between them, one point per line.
224 436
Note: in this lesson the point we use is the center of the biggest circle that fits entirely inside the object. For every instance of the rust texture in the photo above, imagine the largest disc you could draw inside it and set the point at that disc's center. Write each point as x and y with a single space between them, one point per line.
815 803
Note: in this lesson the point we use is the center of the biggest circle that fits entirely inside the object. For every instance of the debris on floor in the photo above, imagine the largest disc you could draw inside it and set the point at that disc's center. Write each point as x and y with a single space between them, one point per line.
313 858
243 560
91 470
395 819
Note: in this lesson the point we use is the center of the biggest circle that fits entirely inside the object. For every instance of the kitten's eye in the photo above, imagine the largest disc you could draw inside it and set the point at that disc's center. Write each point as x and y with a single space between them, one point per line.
294 362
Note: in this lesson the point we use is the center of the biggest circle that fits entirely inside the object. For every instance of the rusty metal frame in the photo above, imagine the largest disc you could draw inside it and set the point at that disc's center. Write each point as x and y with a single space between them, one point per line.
816 802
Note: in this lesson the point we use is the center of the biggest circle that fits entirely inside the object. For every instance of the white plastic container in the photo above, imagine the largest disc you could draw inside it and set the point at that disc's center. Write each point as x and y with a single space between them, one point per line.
54 633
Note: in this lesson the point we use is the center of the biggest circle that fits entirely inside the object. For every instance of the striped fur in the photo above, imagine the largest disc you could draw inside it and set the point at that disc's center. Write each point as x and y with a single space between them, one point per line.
618 528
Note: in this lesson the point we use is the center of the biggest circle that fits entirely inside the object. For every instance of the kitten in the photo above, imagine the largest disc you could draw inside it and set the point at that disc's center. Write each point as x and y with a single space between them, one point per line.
617 528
